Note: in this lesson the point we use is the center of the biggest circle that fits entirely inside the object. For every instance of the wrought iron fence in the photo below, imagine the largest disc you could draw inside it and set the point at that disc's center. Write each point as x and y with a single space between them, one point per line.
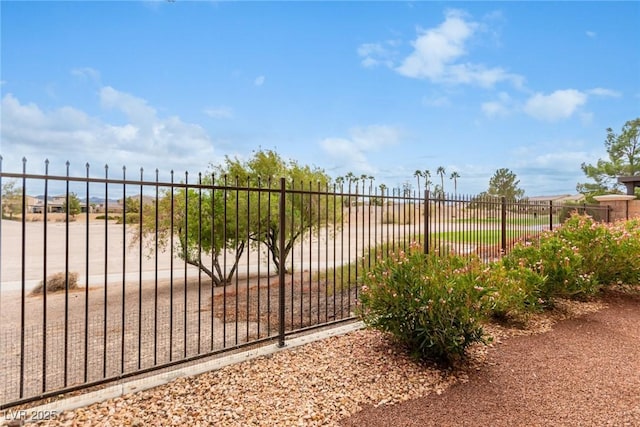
489 226
155 273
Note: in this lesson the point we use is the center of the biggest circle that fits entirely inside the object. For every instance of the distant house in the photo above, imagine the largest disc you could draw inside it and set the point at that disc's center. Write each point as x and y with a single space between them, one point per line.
110 207
53 204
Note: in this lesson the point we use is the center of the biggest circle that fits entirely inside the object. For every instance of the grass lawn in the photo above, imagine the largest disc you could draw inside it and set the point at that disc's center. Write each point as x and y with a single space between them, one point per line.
483 237
526 221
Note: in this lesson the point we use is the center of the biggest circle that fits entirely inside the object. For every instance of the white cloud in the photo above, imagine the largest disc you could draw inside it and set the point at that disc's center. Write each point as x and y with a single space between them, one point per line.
375 137
259 81
219 112
374 54
434 49
551 170
68 133
352 151
346 151
436 101
136 109
558 105
500 107
558 160
438 51
87 73
494 109
591 34
598 91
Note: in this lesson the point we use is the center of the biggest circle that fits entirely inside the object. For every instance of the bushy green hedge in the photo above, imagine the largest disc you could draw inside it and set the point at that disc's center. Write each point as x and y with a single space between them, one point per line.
429 303
435 304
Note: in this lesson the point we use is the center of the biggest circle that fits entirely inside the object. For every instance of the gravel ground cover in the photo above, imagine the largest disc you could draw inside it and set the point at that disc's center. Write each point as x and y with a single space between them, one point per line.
582 361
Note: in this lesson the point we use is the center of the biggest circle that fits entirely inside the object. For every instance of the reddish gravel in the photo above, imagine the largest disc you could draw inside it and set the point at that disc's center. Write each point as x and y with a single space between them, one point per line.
584 372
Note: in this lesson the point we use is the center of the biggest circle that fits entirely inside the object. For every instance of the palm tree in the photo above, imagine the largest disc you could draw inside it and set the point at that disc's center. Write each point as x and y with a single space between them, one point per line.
440 171
454 176
418 174
427 182
350 177
371 178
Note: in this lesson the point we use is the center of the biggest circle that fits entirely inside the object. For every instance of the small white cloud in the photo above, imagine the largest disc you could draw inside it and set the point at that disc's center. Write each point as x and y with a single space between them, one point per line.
598 91
438 51
436 48
586 118
559 105
344 149
591 34
494 109
136 109
499 108
361 141
375 137
219 112
259 81
436 101
87 73
374 54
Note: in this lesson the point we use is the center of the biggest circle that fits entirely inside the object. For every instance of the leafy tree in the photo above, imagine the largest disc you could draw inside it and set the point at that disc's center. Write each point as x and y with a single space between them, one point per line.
624 160
200 225
11 199
504 183
218 219
305 206
73 207
132 205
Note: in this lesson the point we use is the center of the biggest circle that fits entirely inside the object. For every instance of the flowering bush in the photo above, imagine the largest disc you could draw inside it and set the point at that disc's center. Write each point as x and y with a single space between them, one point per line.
610 252
559 265
432 304
517 291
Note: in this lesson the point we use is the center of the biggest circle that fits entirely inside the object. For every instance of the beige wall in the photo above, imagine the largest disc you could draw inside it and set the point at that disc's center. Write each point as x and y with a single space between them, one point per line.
623 209
634 209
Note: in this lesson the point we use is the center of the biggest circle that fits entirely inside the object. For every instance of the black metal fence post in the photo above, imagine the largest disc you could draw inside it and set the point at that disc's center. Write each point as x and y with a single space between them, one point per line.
281 271
503 223
23 277
550 214
426 221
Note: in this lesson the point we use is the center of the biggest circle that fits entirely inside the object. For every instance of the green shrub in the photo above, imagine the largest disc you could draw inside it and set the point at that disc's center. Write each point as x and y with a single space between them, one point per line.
110 218
132 218
610 251
431 304
518 291
560 265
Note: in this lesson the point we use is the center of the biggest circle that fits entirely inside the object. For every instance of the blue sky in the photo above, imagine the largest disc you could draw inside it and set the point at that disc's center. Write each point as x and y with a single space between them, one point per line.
376 88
